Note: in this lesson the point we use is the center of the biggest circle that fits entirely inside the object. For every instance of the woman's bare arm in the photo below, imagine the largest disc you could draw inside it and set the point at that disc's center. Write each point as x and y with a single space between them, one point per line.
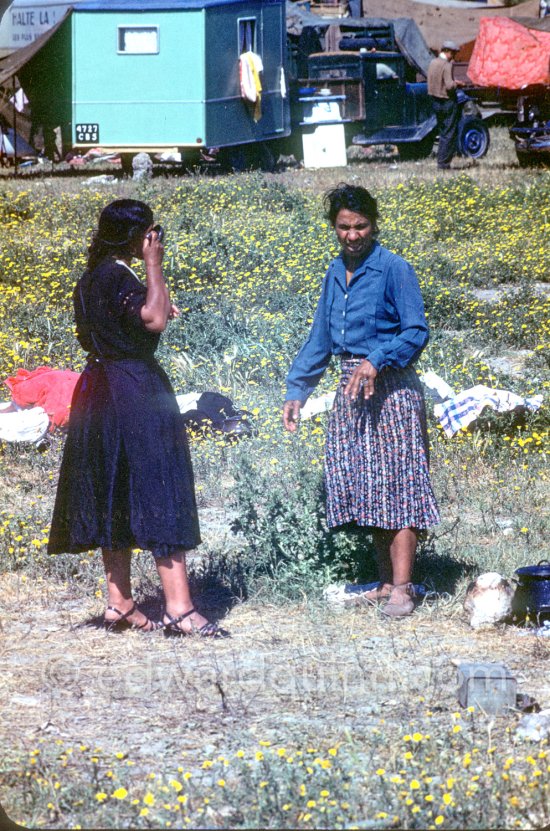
157 308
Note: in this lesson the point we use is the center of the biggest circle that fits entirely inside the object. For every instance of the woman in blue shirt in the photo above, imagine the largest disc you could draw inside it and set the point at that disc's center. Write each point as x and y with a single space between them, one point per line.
371 316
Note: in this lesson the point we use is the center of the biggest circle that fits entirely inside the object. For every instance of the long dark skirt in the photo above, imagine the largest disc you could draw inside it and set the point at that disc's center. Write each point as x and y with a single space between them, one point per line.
376 462
126 478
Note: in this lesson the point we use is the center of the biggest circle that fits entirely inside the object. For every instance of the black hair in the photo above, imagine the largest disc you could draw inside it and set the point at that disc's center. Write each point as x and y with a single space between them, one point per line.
121 223
352 198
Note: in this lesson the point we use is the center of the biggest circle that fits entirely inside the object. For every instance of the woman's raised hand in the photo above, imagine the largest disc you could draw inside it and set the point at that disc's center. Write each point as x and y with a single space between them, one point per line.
153 249
362 379
291 415
157 309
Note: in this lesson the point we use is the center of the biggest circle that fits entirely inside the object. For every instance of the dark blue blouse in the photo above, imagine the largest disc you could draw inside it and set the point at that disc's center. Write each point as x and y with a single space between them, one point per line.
379 315
107 304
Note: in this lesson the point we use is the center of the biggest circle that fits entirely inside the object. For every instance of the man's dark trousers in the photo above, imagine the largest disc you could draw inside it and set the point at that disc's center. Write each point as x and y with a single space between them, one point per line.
447 113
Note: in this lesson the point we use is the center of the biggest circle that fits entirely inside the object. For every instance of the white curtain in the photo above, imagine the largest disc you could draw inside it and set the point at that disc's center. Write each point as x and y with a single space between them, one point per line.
140 41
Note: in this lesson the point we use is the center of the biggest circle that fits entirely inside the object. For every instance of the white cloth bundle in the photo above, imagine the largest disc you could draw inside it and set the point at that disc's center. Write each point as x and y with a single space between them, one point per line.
22 425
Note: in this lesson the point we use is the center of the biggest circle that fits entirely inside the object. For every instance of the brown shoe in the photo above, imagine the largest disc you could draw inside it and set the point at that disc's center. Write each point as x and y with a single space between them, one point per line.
400 607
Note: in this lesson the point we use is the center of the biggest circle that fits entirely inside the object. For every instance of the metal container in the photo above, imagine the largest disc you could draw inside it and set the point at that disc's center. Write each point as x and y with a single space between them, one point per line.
488 687
532 595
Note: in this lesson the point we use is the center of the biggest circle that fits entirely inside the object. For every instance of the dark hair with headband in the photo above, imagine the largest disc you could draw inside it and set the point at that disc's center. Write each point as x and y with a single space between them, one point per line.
120 224
351 198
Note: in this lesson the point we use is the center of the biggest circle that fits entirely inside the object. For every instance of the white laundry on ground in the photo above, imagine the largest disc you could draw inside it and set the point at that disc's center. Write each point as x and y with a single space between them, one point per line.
314 406
22 425
438 389
188 401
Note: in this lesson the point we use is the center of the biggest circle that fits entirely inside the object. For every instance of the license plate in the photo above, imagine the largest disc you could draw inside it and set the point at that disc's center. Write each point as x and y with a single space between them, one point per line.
87 133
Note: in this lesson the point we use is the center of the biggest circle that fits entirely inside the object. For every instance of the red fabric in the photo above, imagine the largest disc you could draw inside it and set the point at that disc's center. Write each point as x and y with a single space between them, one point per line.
51 389
507 54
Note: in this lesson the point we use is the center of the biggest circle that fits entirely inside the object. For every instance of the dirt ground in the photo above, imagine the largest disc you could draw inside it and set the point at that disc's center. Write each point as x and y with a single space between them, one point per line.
441 21
305 670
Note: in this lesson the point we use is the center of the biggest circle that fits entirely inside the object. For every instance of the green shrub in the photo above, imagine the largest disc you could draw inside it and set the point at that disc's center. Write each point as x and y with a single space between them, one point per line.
290 549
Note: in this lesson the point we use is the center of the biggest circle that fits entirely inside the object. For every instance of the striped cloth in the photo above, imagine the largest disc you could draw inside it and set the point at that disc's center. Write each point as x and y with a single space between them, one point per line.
376 461
464 407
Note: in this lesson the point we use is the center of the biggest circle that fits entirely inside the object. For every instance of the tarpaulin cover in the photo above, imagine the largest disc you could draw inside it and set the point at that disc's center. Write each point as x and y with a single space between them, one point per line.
51 389
408 36
507 54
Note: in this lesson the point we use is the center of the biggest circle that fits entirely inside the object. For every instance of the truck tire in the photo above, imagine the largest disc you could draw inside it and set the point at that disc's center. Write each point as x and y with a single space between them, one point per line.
414 150
473 138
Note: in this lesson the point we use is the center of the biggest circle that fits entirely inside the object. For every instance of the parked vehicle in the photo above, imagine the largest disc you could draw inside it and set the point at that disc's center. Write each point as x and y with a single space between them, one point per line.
531 130
390 108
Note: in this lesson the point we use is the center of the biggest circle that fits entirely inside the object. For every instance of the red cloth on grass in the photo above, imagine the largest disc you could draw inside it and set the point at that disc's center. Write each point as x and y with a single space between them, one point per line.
51 389
507 54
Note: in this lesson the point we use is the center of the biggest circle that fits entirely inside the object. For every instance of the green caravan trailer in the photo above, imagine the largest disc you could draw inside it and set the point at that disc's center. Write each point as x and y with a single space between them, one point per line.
162 75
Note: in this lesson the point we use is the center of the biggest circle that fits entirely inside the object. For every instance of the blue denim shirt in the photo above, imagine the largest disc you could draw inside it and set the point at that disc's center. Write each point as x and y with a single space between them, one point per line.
379 315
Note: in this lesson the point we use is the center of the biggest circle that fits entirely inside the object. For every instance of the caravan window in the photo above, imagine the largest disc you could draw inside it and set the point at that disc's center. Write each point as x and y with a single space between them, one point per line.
247 35
138 40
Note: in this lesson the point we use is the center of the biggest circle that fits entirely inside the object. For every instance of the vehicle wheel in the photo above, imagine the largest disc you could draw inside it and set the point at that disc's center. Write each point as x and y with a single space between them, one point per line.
414 150
473 138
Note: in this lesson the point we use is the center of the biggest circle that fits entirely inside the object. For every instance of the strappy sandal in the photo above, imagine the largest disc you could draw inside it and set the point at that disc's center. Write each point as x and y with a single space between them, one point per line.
208 630
122 623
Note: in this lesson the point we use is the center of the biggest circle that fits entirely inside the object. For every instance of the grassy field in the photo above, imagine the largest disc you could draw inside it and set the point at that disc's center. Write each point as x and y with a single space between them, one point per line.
309 717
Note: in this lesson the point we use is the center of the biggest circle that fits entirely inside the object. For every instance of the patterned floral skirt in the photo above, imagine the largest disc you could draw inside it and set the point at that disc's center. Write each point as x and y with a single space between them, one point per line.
376 462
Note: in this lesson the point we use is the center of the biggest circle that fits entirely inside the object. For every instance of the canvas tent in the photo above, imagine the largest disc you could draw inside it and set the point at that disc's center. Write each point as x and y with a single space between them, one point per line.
26 20
15 66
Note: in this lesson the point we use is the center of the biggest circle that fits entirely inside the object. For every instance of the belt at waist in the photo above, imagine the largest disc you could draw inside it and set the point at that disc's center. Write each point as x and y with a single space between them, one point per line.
348 356
92 358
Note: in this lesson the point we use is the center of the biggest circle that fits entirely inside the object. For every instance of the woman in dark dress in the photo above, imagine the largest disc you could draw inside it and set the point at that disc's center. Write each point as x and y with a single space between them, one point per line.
371 316
126 479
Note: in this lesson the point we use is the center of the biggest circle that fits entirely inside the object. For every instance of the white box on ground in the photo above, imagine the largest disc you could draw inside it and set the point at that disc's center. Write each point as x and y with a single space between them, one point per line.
325 146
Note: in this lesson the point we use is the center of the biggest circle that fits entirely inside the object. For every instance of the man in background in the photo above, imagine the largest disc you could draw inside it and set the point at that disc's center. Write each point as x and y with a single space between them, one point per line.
442 90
